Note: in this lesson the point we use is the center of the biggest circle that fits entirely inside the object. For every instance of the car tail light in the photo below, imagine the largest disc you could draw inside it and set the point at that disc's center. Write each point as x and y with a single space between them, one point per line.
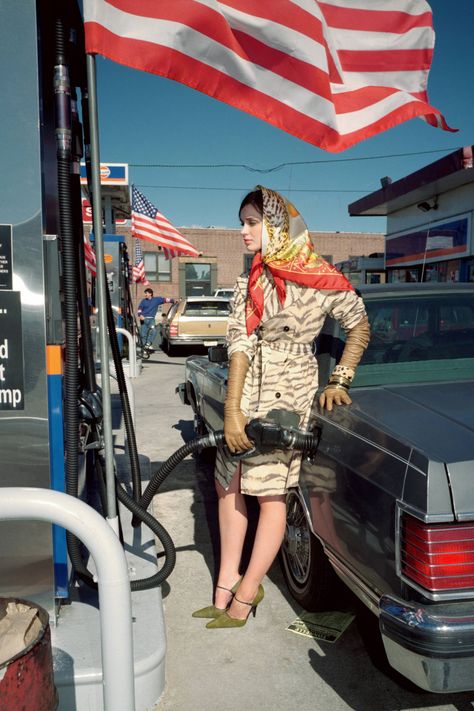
174 329
437 556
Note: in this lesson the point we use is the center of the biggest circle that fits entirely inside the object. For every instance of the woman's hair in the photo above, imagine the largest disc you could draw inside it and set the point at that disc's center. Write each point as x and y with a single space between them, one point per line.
254 198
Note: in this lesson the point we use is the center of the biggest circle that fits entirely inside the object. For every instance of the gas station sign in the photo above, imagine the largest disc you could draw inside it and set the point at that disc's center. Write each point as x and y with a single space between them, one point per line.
110 174
87 214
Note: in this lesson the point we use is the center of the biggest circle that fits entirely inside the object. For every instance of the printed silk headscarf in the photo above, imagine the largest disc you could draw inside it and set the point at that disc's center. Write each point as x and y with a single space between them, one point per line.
288 253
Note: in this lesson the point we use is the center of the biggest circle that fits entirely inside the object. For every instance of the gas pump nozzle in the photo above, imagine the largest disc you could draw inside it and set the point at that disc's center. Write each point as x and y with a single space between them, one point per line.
268 434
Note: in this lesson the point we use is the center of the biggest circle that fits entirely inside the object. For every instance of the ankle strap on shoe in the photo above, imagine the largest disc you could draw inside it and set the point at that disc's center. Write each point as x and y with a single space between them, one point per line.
243 601
222 588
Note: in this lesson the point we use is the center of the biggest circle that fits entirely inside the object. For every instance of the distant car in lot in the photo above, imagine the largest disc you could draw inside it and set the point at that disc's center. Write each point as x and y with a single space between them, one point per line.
388 500
196 320
226 292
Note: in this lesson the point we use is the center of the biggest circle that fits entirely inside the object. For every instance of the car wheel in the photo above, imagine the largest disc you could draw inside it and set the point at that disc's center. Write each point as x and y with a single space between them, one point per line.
168 347
307 571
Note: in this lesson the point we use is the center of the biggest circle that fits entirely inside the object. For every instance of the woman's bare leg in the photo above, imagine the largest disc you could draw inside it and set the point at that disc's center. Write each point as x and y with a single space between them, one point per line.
232 527
268 538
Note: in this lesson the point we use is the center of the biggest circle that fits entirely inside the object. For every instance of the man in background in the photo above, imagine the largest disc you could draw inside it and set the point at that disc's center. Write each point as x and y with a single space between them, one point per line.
148 308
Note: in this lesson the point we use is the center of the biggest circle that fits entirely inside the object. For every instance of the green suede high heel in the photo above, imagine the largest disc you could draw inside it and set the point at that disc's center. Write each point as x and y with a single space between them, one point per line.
211 611
225 620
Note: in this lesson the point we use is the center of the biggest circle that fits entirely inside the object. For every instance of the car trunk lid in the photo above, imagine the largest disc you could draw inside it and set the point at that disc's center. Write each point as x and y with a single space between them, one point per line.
437 418
203 326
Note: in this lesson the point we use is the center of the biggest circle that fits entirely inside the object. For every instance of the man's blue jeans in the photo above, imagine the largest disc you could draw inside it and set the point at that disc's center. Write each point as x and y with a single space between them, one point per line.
148 330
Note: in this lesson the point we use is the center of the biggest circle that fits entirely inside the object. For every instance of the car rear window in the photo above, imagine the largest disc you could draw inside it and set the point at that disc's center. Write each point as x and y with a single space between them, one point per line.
206 309
424 339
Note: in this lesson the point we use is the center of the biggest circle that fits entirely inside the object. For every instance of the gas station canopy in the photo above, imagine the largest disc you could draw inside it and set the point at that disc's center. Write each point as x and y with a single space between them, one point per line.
114 187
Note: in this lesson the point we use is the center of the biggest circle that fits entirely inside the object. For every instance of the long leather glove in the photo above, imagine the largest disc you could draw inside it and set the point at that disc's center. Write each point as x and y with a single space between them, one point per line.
234 419
357 340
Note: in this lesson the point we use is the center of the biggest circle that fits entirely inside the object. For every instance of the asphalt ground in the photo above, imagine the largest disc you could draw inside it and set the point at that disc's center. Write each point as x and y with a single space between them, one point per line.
262 665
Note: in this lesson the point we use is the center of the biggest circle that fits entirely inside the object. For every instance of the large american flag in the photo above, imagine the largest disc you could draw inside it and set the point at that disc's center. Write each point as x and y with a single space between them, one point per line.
149 224
89 256
330 72
138 271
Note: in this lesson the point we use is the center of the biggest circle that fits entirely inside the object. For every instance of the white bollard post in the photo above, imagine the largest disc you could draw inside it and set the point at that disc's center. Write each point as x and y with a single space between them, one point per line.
132 351
115 606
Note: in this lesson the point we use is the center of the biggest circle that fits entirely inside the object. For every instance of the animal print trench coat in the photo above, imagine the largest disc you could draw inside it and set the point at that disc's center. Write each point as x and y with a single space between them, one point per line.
283 372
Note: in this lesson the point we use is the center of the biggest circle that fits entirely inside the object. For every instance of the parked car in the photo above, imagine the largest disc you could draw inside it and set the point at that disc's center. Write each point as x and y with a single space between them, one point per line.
387 502
197 320
226 292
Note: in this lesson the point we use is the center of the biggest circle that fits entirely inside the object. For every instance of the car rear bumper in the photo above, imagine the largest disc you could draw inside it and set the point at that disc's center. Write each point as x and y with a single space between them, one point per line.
432 646
197 340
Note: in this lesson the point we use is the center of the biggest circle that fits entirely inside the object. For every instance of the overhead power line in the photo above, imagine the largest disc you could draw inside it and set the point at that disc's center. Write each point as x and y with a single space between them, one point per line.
274 168
240 190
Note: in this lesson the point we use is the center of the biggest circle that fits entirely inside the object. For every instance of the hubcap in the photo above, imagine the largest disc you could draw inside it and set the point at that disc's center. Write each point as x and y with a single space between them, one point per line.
296 544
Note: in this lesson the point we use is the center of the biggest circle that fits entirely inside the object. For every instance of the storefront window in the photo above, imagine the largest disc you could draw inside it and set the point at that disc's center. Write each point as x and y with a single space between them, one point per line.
375 278
444 240
430 273
198 279
454 267
404 275
449 271
157 267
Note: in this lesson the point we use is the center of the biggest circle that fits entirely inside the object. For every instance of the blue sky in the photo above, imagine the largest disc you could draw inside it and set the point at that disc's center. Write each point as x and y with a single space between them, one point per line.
146 119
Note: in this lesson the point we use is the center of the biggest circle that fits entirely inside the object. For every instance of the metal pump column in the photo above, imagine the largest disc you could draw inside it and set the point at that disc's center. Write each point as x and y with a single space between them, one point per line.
101 295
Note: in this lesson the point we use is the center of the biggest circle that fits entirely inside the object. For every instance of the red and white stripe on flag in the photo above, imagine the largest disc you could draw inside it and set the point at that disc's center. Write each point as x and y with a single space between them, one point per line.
330 72
149 224
138 270
89 257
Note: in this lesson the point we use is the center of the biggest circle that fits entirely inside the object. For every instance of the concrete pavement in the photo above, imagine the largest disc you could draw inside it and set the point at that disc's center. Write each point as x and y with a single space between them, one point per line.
262 665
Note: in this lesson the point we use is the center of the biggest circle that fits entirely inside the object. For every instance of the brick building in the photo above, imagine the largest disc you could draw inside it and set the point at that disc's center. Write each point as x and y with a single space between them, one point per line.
224 257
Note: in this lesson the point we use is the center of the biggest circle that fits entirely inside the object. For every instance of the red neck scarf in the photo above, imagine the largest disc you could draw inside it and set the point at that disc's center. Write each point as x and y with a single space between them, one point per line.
289 255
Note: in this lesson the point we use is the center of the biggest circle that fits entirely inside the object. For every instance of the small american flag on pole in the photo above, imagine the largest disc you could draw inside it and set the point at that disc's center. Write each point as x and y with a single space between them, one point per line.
89 256
138 271
149 224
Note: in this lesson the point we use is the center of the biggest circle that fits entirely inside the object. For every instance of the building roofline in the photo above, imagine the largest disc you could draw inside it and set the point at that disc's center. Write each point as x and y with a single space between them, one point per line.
445 174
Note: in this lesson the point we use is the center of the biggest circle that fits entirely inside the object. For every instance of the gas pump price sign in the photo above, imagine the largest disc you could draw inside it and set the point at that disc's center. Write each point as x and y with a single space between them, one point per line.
11 352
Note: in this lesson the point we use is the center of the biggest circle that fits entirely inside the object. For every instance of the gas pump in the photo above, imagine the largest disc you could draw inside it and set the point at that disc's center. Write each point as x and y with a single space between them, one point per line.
117 271
116 210
51 406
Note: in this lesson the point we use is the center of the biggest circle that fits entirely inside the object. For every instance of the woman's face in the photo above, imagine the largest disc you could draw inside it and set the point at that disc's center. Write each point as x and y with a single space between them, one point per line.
252 223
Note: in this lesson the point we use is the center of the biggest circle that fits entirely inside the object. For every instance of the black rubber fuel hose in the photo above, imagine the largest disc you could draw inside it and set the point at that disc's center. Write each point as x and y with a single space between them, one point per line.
196 445
127 415
69 269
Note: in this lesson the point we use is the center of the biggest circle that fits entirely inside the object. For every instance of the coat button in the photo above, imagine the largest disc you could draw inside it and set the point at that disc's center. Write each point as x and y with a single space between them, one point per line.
286 328
277 394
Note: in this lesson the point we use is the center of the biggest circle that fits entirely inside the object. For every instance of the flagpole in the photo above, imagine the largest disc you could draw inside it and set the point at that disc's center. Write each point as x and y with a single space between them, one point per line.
136 304
101 294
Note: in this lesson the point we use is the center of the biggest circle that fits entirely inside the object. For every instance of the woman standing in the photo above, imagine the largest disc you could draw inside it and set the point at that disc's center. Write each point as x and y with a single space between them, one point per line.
278 311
